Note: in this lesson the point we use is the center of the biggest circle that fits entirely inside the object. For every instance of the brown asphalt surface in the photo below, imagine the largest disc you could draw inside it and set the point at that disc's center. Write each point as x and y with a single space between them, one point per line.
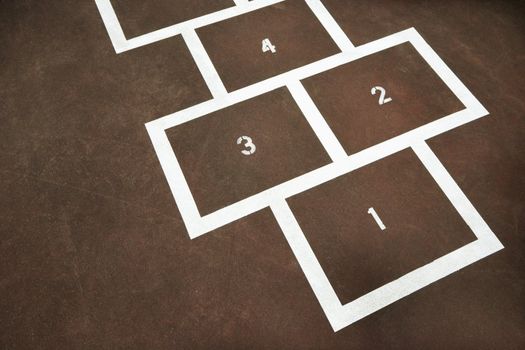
94 253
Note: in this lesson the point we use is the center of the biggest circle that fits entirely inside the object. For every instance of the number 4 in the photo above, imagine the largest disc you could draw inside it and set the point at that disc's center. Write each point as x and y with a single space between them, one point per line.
382 99
267 46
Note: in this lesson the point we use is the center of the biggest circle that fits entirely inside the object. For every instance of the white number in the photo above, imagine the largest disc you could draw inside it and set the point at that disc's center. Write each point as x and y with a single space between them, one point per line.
267 46
382 99
372 212
250 147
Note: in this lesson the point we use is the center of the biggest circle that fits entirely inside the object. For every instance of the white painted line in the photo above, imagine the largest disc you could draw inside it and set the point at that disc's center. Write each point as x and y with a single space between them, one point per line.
181 194
198 22
249 92
241 2
283 79
341 316
331 26
203 61
297 185
338 315
121 44
202 225
453 192
411 282
313 271
317 122
445 73
112 24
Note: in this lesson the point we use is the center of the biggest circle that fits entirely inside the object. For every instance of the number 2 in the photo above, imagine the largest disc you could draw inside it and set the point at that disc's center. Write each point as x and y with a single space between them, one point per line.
382 99
250 147
267 46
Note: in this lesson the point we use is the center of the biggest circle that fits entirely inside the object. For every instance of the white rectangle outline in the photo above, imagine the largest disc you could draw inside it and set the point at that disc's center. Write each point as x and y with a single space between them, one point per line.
188 28
338 315
121 44
198 225
341 316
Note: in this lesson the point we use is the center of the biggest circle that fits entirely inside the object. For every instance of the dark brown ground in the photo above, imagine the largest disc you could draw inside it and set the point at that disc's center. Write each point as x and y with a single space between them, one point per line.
94 254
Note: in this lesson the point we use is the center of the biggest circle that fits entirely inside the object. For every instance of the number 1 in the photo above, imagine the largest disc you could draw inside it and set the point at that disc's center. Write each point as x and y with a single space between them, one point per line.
372 212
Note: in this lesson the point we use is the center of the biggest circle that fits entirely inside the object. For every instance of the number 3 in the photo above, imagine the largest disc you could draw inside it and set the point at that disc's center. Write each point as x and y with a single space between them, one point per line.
250 147
382 99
